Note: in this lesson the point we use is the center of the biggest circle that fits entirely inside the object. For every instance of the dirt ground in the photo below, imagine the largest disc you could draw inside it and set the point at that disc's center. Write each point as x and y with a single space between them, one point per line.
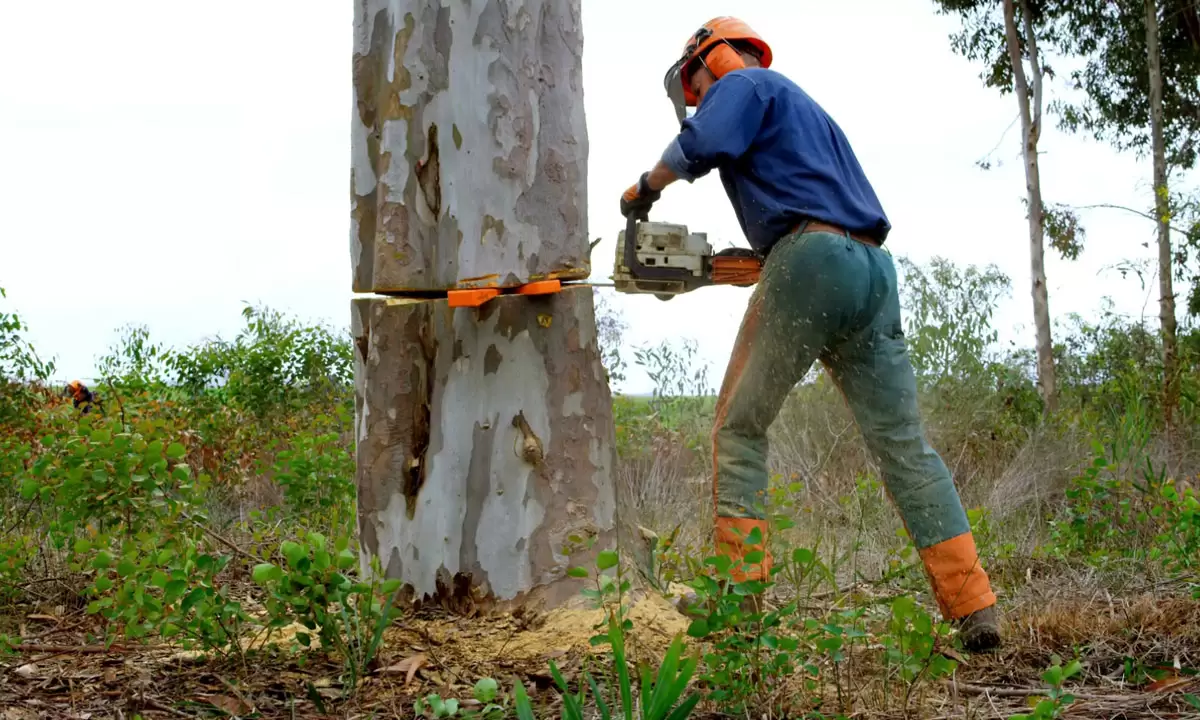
60 676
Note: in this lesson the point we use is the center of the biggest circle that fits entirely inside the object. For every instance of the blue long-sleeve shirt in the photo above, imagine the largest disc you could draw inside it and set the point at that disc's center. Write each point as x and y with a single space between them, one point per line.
781 158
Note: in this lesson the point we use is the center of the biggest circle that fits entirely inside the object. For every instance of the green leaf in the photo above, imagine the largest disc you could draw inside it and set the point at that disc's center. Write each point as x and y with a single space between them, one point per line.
175 589
698 628
316 541
346 560
264 573
103 560
1053 675
192 598
175 451
29 488
577 572
103 583
293 551
524 708
486 689
125 568
606 559
802 556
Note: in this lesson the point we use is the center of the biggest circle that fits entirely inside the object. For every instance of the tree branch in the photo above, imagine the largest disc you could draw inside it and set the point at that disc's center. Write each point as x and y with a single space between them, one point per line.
1110 206
1018 67
1035 66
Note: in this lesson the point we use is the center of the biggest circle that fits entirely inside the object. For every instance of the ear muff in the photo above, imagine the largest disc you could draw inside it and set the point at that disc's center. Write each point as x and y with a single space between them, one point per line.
722 59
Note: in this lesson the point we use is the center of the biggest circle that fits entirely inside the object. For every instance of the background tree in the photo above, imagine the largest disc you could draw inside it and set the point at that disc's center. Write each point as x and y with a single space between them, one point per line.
1140 92
1005 37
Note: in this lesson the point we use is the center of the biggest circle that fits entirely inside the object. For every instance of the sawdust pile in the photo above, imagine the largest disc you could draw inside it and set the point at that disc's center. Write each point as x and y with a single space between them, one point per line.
555 634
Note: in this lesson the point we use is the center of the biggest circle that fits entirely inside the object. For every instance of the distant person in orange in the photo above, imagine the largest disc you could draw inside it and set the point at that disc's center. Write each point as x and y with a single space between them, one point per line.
81 396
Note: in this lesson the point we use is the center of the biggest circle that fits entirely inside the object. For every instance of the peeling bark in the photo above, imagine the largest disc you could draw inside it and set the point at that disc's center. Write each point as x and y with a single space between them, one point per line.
506 412
469 144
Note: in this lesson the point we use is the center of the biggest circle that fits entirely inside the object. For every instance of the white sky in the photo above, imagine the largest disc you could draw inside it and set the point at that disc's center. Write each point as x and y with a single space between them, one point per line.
161 163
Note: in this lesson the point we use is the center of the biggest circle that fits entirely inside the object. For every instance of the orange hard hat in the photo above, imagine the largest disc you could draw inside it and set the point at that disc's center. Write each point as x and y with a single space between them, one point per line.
712 46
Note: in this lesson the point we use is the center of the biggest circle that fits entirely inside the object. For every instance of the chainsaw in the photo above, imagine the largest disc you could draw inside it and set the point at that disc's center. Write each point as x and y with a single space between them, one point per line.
665 260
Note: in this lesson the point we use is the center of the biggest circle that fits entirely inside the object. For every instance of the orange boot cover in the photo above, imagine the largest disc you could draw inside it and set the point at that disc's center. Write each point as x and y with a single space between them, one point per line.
731 536
958 579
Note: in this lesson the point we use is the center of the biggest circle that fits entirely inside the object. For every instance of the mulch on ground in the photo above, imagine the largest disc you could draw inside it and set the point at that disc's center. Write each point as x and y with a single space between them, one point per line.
61 675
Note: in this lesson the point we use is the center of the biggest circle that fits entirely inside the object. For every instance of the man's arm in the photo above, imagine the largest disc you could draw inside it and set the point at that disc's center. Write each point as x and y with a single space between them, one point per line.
722 130
661 176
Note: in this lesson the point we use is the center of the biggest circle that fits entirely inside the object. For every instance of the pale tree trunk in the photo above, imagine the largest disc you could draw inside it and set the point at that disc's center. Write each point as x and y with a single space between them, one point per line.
1031 126
1166 294
484 443
469 144
484 436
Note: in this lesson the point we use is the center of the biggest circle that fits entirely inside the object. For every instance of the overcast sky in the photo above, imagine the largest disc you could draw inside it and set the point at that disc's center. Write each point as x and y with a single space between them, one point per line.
161 163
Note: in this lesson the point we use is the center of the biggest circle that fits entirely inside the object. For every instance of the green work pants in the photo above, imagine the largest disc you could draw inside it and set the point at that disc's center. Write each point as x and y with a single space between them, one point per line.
828 297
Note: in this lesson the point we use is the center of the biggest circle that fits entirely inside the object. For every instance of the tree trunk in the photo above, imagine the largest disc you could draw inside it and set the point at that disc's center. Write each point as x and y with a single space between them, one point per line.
1031 127
1166 295
469 144
485 443
484 436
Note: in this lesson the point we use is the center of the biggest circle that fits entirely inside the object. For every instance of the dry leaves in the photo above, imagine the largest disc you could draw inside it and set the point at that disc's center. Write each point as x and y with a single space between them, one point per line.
409 666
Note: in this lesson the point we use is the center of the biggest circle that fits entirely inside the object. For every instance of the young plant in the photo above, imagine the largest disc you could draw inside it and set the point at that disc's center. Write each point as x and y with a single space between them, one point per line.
659 696
1057 700
349 617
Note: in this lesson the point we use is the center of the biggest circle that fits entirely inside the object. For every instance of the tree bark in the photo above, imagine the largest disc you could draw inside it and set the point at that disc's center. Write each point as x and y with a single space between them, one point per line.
469 144
1031 127
484 436
1166 294
485 444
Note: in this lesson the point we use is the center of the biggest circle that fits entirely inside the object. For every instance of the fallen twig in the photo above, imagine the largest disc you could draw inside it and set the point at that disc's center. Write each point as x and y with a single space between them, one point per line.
156 705
216 536
1027 692
68 649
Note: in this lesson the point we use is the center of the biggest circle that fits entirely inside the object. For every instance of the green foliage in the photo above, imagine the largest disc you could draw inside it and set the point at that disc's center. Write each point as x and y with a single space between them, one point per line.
910 646
982 35
313 587
1057 700
20 367
486 692
1063 229
1115 108
948 314
660 696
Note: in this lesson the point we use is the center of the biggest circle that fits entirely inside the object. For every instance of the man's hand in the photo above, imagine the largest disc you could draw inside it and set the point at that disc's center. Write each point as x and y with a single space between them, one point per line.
639 197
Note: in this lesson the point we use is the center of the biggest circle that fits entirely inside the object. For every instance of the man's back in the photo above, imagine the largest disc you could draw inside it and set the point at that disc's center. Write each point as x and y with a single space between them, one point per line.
780 157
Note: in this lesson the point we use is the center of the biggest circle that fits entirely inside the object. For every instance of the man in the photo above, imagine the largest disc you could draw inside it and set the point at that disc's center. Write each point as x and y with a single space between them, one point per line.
827 292
81 396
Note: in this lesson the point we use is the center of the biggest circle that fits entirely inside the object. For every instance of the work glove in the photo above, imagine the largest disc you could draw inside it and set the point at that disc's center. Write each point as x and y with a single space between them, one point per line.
638 198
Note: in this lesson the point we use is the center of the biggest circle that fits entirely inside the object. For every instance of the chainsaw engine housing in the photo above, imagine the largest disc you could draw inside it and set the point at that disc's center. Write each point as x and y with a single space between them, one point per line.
674 261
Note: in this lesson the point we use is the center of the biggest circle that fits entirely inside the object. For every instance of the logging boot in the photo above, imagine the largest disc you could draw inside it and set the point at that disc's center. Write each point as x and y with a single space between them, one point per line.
980 631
